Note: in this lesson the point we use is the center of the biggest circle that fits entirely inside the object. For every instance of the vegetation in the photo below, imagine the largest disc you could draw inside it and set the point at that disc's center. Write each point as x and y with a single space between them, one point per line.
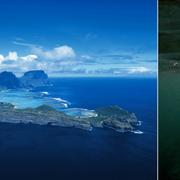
111 117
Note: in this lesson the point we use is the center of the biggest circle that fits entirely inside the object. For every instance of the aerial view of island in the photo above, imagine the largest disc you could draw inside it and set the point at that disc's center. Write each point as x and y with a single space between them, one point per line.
78 90
112 117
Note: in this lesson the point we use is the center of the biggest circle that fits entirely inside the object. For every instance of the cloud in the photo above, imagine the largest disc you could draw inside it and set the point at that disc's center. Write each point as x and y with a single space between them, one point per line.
64 66
86 57
50 60
119 56
1 58
25 44
120 72
58 53
63 60
15 63
105 59
137 70
29 58
13 56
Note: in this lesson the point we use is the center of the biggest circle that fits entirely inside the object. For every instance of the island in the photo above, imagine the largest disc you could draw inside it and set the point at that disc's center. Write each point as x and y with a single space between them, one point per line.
112 117
34 78
30 79
9 81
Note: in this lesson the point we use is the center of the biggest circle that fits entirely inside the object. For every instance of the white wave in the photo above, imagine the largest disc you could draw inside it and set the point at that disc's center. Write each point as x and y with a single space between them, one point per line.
45 93
65 105
138 132
61 100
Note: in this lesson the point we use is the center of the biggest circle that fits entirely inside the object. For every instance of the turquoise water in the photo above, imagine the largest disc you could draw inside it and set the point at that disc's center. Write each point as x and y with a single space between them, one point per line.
28 99
21 98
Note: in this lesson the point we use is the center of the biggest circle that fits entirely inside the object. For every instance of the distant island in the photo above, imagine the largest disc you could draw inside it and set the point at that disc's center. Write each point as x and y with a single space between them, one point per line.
30 79
112 117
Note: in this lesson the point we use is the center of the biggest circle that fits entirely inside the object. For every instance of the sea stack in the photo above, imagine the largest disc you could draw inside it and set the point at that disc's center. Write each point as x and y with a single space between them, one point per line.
9 81
34 78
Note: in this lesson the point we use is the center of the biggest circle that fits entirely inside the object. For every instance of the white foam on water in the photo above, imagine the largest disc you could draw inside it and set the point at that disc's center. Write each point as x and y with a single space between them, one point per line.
65 105
45 93
61 100
138 132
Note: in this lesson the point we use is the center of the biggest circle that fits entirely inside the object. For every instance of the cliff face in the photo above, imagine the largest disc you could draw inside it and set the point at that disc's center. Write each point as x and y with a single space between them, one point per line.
30 79
116 118
9 81
34 79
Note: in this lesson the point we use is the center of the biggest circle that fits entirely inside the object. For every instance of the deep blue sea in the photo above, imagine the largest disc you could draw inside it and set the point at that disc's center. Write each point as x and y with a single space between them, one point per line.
47 152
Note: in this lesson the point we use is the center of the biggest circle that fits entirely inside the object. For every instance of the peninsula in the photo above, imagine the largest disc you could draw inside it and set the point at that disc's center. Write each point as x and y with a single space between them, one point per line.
112 117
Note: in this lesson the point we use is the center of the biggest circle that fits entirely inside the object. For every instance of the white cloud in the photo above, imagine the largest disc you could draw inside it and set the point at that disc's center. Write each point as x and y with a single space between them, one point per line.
1 58
11 56
63 60
60 57
13 62
86 57
58 53
25 44
137 70
29 58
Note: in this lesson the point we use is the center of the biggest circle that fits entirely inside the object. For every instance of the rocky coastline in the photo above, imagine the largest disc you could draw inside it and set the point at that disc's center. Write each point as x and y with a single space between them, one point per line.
112 117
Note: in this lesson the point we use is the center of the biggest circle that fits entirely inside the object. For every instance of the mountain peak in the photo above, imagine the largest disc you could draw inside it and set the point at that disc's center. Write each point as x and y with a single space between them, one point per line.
30 79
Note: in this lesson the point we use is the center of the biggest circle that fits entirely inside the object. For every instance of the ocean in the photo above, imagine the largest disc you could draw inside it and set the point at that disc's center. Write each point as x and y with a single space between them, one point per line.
47 152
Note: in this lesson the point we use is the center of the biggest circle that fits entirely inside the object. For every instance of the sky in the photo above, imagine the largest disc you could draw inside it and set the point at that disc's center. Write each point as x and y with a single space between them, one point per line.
78 37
